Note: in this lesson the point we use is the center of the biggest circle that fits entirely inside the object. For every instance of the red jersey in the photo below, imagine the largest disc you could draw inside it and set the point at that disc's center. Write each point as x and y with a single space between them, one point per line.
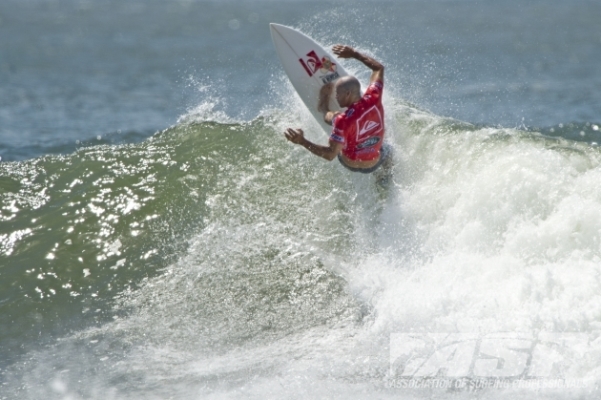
361 127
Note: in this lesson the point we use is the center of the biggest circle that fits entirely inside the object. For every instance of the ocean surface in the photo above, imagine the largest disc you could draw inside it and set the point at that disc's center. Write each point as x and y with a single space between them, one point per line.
160 239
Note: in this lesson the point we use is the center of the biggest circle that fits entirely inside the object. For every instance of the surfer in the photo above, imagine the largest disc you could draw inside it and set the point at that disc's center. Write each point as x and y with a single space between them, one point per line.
357 137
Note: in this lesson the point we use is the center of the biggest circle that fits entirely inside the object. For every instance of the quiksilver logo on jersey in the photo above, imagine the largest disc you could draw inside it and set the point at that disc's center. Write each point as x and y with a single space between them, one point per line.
368 126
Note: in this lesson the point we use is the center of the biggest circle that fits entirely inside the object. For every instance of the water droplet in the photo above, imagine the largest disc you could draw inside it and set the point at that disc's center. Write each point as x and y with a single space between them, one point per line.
58 386
234 24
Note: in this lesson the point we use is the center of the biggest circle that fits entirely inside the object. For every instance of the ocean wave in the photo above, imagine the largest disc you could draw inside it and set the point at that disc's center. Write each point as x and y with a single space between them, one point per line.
219 243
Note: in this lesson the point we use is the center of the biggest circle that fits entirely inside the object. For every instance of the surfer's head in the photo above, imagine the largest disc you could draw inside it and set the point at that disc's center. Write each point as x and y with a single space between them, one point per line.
348 90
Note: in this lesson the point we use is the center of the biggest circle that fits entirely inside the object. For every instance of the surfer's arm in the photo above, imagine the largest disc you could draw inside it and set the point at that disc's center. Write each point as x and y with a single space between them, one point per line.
324 103
328 152
348 52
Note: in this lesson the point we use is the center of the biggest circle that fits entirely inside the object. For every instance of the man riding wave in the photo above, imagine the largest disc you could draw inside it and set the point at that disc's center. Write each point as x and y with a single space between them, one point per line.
357 137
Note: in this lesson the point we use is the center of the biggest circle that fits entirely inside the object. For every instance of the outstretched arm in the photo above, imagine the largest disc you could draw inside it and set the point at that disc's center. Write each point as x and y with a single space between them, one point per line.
329 153
348 52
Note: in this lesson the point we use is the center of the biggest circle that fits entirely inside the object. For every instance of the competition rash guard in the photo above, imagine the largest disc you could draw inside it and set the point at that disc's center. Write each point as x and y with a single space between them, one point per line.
361 127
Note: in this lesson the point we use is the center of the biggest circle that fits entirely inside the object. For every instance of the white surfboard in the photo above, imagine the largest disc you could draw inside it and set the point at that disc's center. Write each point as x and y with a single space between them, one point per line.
307 65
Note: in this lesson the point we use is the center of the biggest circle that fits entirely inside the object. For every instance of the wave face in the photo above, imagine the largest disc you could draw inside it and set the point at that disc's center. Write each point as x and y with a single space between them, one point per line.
215 259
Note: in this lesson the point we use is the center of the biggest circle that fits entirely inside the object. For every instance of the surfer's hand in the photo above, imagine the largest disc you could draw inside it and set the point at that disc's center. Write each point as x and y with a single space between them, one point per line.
295 136
343 51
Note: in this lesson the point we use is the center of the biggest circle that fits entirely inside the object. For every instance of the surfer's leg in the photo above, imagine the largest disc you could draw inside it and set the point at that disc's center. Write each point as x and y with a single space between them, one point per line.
383 174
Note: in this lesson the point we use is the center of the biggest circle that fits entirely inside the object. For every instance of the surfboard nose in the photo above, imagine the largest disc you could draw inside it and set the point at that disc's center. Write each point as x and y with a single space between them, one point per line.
273 27
278 27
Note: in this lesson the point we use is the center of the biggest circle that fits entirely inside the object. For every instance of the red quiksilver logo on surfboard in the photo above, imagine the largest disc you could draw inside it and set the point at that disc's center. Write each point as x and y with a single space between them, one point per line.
312 63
